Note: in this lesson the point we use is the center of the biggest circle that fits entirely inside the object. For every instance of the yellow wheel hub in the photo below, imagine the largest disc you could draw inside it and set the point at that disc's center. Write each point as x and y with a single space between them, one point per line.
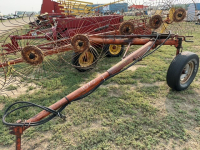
114 49
86 59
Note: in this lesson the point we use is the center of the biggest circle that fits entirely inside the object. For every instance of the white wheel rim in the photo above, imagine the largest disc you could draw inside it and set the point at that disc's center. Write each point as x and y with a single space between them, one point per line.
187 72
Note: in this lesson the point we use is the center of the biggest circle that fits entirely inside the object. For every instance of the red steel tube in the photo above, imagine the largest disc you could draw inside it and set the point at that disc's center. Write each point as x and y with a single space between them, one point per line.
134 41
133 56
28 37
16 61
58 50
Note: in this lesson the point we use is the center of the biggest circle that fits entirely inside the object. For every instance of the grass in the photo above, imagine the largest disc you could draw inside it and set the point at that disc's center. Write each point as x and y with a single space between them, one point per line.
133 110
11 87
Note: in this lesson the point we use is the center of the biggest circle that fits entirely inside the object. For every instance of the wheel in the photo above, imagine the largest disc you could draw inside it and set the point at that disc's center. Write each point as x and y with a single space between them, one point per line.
126 28
155 22
112 50
28 56
86 60
182 71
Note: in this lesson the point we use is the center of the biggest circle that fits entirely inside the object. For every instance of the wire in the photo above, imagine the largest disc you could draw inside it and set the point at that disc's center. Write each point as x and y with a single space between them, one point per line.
158 46
29 104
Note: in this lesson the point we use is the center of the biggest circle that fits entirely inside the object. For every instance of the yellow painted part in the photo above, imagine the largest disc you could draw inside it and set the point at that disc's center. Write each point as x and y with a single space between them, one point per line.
114 49
81 11
74 9
68 2
164 25
76 6
171 13
10 69
66 13
158 12
81 2
74 1
86 59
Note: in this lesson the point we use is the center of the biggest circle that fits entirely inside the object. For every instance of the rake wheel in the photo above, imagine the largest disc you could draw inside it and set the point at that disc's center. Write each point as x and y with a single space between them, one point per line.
173 13
113 50
25 51
80 43
155 21
126 28
179 15
32 55
80 34
86 60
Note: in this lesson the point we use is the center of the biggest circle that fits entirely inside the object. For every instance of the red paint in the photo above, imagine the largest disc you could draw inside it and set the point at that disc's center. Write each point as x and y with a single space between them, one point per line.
138 6
49 6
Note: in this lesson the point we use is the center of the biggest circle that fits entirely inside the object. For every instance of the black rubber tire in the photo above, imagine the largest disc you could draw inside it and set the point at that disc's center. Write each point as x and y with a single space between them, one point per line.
76 64
177 67
108 54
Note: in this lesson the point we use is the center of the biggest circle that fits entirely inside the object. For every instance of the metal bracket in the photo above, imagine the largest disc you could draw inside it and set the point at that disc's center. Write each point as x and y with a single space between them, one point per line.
18 131
187 40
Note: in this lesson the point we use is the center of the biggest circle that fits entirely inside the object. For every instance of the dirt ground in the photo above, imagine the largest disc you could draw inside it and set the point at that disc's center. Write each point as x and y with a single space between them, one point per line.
7 25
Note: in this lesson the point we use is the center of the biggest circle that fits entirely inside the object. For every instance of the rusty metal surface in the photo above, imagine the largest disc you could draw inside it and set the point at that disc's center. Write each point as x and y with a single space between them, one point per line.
17 131
133 41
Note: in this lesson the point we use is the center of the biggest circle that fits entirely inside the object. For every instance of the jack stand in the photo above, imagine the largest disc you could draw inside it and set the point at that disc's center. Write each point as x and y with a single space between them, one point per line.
18 131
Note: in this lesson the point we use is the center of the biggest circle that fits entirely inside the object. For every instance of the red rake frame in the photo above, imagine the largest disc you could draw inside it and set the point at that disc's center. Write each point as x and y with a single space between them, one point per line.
65 28
95 38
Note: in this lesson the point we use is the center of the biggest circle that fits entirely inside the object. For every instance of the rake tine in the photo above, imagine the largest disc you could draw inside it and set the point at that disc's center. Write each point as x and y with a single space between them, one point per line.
18 21
23 17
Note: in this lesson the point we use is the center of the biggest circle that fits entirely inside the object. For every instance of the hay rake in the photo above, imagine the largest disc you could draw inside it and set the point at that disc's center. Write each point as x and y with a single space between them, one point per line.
37 51
180 74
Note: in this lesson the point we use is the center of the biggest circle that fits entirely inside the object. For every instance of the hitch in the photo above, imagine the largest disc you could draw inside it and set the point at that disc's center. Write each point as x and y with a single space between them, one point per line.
184 38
